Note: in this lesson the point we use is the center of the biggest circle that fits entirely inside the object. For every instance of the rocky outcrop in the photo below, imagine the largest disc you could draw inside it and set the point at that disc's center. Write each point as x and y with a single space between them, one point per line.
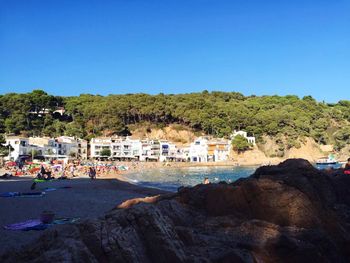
291 212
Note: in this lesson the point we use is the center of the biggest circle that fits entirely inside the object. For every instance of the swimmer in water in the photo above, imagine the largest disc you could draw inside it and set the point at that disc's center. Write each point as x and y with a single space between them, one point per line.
206 180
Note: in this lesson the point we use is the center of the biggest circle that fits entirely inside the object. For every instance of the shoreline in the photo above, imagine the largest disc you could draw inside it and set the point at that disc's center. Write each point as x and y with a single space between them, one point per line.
158 165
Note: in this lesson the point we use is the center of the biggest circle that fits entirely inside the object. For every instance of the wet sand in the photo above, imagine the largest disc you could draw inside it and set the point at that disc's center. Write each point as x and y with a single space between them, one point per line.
86 199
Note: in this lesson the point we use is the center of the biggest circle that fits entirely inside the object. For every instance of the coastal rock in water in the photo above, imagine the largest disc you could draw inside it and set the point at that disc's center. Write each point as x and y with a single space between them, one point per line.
290 212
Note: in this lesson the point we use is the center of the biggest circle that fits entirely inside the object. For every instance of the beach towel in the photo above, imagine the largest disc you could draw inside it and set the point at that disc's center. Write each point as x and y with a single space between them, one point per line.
21 194
36 224
41 180
54 189
9 194
23 225
50 189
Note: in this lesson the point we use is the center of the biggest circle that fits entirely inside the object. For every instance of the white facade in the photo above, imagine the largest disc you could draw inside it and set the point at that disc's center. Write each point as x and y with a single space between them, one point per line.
61 147
99 144
199 150
168 151
125 148
250 139
71 146
20 147
204 149
121 148
151 150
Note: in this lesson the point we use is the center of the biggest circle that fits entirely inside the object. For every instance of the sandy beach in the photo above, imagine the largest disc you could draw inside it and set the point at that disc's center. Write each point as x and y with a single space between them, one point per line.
85 199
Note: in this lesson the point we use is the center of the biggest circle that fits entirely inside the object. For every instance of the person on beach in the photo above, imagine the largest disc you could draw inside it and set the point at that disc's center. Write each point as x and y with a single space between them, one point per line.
42 170
72 170
347 167
206 180
92 173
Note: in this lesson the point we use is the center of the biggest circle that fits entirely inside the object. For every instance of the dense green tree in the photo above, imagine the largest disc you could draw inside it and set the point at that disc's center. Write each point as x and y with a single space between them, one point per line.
213 113
105 152
240 144
4 149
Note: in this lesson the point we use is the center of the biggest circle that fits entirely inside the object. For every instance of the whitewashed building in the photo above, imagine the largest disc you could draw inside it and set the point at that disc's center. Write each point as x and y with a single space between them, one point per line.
98 144
168 151
20 146
151 150
49 148
125 148
250 139
204 149
72 147
46 147
199 150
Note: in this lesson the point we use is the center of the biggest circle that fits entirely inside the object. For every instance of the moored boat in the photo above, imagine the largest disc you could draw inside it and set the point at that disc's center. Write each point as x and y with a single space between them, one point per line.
327 160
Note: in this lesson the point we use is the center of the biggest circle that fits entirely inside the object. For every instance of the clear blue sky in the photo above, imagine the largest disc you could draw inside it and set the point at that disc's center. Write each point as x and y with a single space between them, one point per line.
68 47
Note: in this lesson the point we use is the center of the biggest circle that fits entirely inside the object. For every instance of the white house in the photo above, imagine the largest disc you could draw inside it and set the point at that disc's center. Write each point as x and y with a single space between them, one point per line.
151 150
99 144
183 154
20 147
125 148
250 139
204 149
61 147
199 150
168 151
47 147
72 146
218 150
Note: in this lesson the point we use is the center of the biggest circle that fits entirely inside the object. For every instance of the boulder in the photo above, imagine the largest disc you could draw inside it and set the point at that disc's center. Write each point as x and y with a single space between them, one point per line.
290 212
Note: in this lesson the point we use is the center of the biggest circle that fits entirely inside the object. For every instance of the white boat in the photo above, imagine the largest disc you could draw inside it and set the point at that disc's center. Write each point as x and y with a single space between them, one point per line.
326 161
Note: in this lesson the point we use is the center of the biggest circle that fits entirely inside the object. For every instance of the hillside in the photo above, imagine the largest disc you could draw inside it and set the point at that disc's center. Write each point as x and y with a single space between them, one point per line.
267 151
288 120
179 134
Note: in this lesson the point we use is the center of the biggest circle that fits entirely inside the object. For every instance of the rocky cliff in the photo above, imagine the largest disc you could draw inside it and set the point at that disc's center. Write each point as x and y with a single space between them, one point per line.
285 213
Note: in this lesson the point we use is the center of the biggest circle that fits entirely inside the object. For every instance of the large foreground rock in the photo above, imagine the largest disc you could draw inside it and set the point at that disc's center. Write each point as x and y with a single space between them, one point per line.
286 213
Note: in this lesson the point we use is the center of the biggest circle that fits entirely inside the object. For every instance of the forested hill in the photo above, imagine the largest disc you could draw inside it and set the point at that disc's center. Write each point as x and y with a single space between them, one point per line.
215 113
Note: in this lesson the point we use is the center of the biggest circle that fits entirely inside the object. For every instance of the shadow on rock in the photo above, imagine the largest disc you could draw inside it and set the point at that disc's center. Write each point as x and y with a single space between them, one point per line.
290 212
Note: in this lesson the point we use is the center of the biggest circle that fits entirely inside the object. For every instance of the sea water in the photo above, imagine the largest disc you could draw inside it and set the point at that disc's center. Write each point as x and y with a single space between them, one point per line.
171 179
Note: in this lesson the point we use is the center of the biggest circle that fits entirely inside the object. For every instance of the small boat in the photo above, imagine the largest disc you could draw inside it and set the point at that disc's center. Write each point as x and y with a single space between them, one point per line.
326 161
